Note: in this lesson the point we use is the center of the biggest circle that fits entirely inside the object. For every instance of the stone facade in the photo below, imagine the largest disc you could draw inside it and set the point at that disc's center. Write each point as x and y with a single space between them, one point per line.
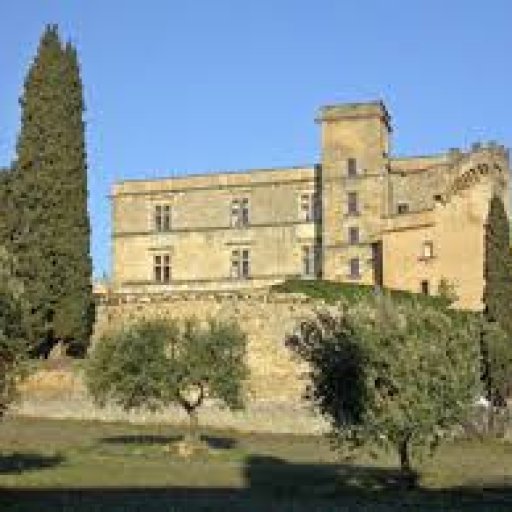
358 215
265 317
275 387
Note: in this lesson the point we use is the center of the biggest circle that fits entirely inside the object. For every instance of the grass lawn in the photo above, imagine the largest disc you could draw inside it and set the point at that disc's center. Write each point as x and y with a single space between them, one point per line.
50 465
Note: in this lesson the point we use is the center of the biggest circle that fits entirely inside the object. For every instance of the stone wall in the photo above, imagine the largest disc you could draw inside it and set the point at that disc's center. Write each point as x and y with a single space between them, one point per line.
201 238
274 388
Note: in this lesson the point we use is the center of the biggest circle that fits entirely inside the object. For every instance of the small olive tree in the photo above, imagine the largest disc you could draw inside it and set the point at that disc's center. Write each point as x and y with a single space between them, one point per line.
390 374
155 363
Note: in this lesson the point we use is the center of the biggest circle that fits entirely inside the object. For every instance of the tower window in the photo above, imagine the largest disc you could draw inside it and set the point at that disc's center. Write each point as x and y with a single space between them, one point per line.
425 289
162 268
352 167
354 268
353 235
353 207
162 217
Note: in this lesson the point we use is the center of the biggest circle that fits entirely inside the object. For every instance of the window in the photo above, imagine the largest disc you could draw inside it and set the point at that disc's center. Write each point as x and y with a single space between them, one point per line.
162 268
240 212
402 208
354 270
308 261
353 207
308 207
245 211
428 250
162 217
425 287
235 212
352 167
353 235
240 264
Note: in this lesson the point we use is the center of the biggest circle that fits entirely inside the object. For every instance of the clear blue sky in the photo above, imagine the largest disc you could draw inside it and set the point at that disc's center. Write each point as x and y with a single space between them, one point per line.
193 86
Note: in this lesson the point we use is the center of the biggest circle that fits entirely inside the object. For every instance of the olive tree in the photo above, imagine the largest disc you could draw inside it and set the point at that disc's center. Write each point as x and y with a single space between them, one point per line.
393 374
155 363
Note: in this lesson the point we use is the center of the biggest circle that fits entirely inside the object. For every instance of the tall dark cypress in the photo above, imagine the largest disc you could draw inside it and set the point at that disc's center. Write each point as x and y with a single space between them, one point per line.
498 267
51 241
74 313
496 337
5 210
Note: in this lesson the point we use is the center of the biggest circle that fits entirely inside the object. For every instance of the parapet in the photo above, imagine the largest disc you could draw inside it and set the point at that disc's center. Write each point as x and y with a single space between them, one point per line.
347 111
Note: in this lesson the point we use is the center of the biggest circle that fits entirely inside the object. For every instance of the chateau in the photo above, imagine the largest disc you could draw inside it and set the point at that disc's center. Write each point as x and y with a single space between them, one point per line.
360 215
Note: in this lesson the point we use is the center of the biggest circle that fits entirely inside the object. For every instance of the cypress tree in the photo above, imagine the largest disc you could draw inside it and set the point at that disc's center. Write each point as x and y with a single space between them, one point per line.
498 267
51 241
5 182
497 298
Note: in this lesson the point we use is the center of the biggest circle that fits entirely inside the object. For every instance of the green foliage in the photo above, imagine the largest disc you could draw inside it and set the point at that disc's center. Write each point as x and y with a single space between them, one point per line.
496 342
331 292
13 348
6 209
447 292
49 229
496 363
498 267
156 362
390 373
129 368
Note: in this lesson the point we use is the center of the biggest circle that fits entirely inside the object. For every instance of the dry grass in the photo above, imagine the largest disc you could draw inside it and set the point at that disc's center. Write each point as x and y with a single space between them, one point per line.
86 466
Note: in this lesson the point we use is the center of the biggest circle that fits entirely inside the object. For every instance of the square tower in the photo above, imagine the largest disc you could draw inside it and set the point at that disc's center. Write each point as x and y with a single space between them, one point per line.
355 141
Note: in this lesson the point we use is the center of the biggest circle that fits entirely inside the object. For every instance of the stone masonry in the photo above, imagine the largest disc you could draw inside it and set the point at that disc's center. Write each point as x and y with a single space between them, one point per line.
359 215
275 386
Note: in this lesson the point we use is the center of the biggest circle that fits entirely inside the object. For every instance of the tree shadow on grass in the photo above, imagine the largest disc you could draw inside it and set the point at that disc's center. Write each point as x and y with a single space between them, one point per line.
215 442
219 442
141 440
272 475
271 484
20 462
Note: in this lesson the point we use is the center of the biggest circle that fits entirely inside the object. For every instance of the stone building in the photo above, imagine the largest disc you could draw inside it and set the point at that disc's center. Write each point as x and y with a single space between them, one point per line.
359 215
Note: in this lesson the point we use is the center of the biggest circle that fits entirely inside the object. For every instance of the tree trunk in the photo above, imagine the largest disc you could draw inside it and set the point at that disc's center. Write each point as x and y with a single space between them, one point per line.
403 452
192 439
193 436
407 473
491 417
